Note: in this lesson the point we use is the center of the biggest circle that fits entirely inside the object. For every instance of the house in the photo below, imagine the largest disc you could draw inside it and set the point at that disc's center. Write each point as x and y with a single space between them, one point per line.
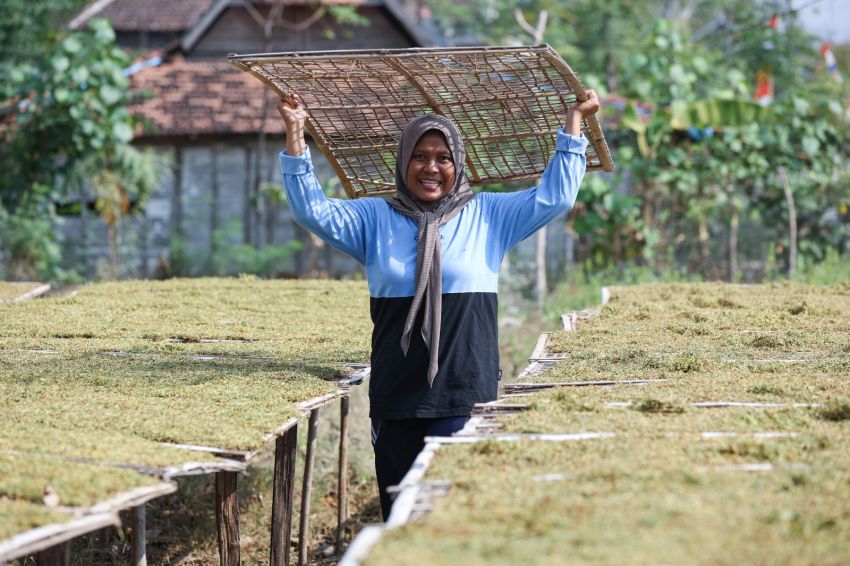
220 131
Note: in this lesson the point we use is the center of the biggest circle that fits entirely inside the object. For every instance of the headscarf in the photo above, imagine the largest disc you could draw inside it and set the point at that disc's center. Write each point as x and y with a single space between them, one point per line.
429 217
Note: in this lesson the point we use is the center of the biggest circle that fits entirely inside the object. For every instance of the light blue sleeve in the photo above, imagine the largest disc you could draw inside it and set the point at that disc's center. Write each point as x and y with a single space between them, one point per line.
518 215
342 224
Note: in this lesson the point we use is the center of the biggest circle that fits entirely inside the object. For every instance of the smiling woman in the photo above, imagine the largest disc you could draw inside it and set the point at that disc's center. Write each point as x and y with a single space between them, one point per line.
432 255
431 172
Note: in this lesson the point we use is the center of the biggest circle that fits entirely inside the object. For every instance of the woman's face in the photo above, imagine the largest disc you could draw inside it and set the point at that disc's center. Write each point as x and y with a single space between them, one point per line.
431 171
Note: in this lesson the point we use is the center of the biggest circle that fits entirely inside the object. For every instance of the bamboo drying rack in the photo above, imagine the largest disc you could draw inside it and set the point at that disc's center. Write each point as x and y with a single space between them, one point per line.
507 101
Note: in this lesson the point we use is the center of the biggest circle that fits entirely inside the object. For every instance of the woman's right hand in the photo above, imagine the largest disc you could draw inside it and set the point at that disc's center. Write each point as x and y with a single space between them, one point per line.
294 116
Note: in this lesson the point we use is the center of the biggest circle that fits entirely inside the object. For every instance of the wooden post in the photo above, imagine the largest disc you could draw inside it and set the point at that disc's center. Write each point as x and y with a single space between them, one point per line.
342 495
306 488
59 555
227 518
137 523
792 222
283 495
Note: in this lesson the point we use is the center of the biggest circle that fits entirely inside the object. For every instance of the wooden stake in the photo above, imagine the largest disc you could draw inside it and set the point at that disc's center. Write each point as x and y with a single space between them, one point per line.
137 523
283 495
792 221
59 555
342 495
227 518
306 488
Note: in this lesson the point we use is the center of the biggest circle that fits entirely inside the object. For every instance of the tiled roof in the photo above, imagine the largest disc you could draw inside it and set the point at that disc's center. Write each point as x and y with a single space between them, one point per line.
147 15
203 97
165 15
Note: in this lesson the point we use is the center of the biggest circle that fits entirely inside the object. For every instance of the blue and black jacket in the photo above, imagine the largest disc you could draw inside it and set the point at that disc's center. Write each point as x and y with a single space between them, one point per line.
473 245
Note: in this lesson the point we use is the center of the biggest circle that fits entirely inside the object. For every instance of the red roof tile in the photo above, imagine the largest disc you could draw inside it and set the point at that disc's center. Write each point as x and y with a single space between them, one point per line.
203 97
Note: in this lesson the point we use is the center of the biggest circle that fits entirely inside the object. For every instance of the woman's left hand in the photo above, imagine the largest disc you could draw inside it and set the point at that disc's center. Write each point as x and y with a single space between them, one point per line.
590 106
577 112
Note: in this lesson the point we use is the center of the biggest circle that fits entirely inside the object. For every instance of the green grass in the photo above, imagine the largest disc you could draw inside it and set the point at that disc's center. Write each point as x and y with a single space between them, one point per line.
304 321
24 479
110 373
76 484
229 403
673 330
24 435
17 516
660 491
284 343
633 500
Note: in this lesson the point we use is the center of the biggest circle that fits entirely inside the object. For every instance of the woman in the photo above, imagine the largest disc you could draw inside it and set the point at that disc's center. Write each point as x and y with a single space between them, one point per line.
432 257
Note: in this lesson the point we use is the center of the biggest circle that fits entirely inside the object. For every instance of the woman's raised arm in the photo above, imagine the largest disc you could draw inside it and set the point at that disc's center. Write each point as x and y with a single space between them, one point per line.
522 213
294 116
342 224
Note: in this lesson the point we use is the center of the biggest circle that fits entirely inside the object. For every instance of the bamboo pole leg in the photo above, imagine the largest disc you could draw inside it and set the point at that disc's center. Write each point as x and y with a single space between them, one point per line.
342 495
227 518
137 523
306 489
59 555
283 495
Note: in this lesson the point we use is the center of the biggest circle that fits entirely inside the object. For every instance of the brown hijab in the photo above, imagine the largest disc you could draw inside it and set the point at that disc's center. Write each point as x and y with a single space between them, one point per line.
429 217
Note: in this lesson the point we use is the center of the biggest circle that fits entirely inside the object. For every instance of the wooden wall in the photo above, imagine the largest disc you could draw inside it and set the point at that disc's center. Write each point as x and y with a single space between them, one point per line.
236 31
206 191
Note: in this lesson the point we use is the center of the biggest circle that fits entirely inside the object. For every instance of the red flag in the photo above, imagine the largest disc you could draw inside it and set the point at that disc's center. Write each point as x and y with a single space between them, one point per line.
764 88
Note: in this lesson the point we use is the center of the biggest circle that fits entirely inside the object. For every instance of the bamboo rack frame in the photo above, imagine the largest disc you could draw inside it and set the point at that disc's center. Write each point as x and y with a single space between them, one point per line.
52 539
31 294
507 101
91 519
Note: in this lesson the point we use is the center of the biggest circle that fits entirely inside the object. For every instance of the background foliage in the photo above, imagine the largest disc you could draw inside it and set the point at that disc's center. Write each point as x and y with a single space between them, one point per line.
701 168
65 129
708 183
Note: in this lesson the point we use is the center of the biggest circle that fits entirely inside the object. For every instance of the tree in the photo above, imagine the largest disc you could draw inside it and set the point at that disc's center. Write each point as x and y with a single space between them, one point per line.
60 110
695 155
708 156
26 26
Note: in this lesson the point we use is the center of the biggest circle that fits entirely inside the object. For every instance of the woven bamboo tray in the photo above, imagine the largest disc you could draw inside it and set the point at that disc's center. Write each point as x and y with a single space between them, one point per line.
507 101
